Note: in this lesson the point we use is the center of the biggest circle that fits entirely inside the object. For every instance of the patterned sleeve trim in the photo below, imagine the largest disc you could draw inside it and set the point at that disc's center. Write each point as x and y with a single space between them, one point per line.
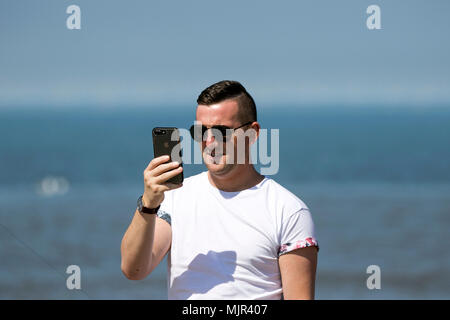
308 242
165 216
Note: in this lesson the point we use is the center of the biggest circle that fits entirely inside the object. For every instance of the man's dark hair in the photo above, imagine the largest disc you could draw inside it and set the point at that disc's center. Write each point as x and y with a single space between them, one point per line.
228 89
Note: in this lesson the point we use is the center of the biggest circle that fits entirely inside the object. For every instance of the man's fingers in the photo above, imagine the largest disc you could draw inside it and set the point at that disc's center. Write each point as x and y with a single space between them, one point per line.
164 167
157 161
167 175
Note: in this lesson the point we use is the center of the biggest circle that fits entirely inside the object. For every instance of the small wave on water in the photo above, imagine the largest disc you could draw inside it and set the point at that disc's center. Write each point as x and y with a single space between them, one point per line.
51 186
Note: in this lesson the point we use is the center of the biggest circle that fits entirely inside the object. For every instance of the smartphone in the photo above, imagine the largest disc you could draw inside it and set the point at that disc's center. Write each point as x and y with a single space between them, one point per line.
166 141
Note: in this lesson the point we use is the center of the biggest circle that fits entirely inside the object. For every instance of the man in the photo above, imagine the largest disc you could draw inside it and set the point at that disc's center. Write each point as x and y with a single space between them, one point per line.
230 232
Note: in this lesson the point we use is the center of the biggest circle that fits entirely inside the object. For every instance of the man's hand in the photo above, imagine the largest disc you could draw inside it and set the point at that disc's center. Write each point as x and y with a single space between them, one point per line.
155 176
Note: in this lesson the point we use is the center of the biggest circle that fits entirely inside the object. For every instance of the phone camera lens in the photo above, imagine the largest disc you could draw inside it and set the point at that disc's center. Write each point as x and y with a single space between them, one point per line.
159 132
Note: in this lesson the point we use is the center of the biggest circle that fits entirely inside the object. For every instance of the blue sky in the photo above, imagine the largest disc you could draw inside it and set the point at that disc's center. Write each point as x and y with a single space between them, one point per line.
285 52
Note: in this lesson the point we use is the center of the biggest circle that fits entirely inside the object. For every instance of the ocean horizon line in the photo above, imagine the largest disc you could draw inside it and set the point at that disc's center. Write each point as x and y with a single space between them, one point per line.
267 106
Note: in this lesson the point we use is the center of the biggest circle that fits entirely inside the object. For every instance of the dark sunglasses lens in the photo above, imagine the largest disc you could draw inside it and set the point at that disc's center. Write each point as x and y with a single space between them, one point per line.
196 132
223 132
219 132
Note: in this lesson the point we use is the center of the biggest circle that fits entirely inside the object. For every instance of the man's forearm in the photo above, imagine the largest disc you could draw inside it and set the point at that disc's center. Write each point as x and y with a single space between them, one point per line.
136 248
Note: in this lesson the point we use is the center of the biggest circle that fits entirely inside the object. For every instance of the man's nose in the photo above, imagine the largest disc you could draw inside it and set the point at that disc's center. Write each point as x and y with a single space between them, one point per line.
209 137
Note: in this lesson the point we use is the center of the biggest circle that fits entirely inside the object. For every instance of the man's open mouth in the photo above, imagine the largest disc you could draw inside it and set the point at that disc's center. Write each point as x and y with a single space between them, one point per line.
214 154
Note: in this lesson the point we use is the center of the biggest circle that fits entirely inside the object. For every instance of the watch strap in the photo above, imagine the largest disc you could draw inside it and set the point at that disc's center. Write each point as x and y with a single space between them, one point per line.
143 209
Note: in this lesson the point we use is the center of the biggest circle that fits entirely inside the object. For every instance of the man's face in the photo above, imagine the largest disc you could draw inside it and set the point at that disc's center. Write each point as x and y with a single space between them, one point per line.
214 152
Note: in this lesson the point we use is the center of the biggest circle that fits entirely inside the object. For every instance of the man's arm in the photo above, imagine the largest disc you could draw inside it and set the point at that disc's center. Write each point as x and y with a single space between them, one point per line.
148 238
298 273
144 245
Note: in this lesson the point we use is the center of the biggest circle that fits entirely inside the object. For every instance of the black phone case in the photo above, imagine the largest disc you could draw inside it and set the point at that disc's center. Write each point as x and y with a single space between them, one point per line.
163 145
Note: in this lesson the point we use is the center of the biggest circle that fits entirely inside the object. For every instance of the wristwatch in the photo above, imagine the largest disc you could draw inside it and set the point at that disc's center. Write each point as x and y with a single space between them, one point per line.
143 209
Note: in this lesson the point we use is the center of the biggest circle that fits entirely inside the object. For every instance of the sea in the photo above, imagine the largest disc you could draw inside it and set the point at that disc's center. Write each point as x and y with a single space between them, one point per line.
376 180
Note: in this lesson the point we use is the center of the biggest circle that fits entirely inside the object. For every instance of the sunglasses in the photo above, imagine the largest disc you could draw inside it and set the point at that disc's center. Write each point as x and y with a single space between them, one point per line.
198 131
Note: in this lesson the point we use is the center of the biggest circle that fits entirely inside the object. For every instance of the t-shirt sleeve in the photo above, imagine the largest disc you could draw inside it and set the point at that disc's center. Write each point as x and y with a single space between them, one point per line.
166 208
297 231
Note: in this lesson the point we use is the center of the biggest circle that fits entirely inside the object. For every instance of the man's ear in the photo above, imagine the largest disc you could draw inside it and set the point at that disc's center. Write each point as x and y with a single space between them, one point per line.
255 127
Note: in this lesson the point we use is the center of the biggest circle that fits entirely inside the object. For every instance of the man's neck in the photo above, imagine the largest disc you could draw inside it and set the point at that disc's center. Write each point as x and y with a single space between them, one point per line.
243 177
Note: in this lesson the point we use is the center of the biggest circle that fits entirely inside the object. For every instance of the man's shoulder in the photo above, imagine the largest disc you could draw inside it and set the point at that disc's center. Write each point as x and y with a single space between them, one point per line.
284 197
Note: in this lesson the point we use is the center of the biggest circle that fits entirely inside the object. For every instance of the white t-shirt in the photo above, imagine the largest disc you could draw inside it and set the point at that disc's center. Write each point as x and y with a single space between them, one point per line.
225 245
